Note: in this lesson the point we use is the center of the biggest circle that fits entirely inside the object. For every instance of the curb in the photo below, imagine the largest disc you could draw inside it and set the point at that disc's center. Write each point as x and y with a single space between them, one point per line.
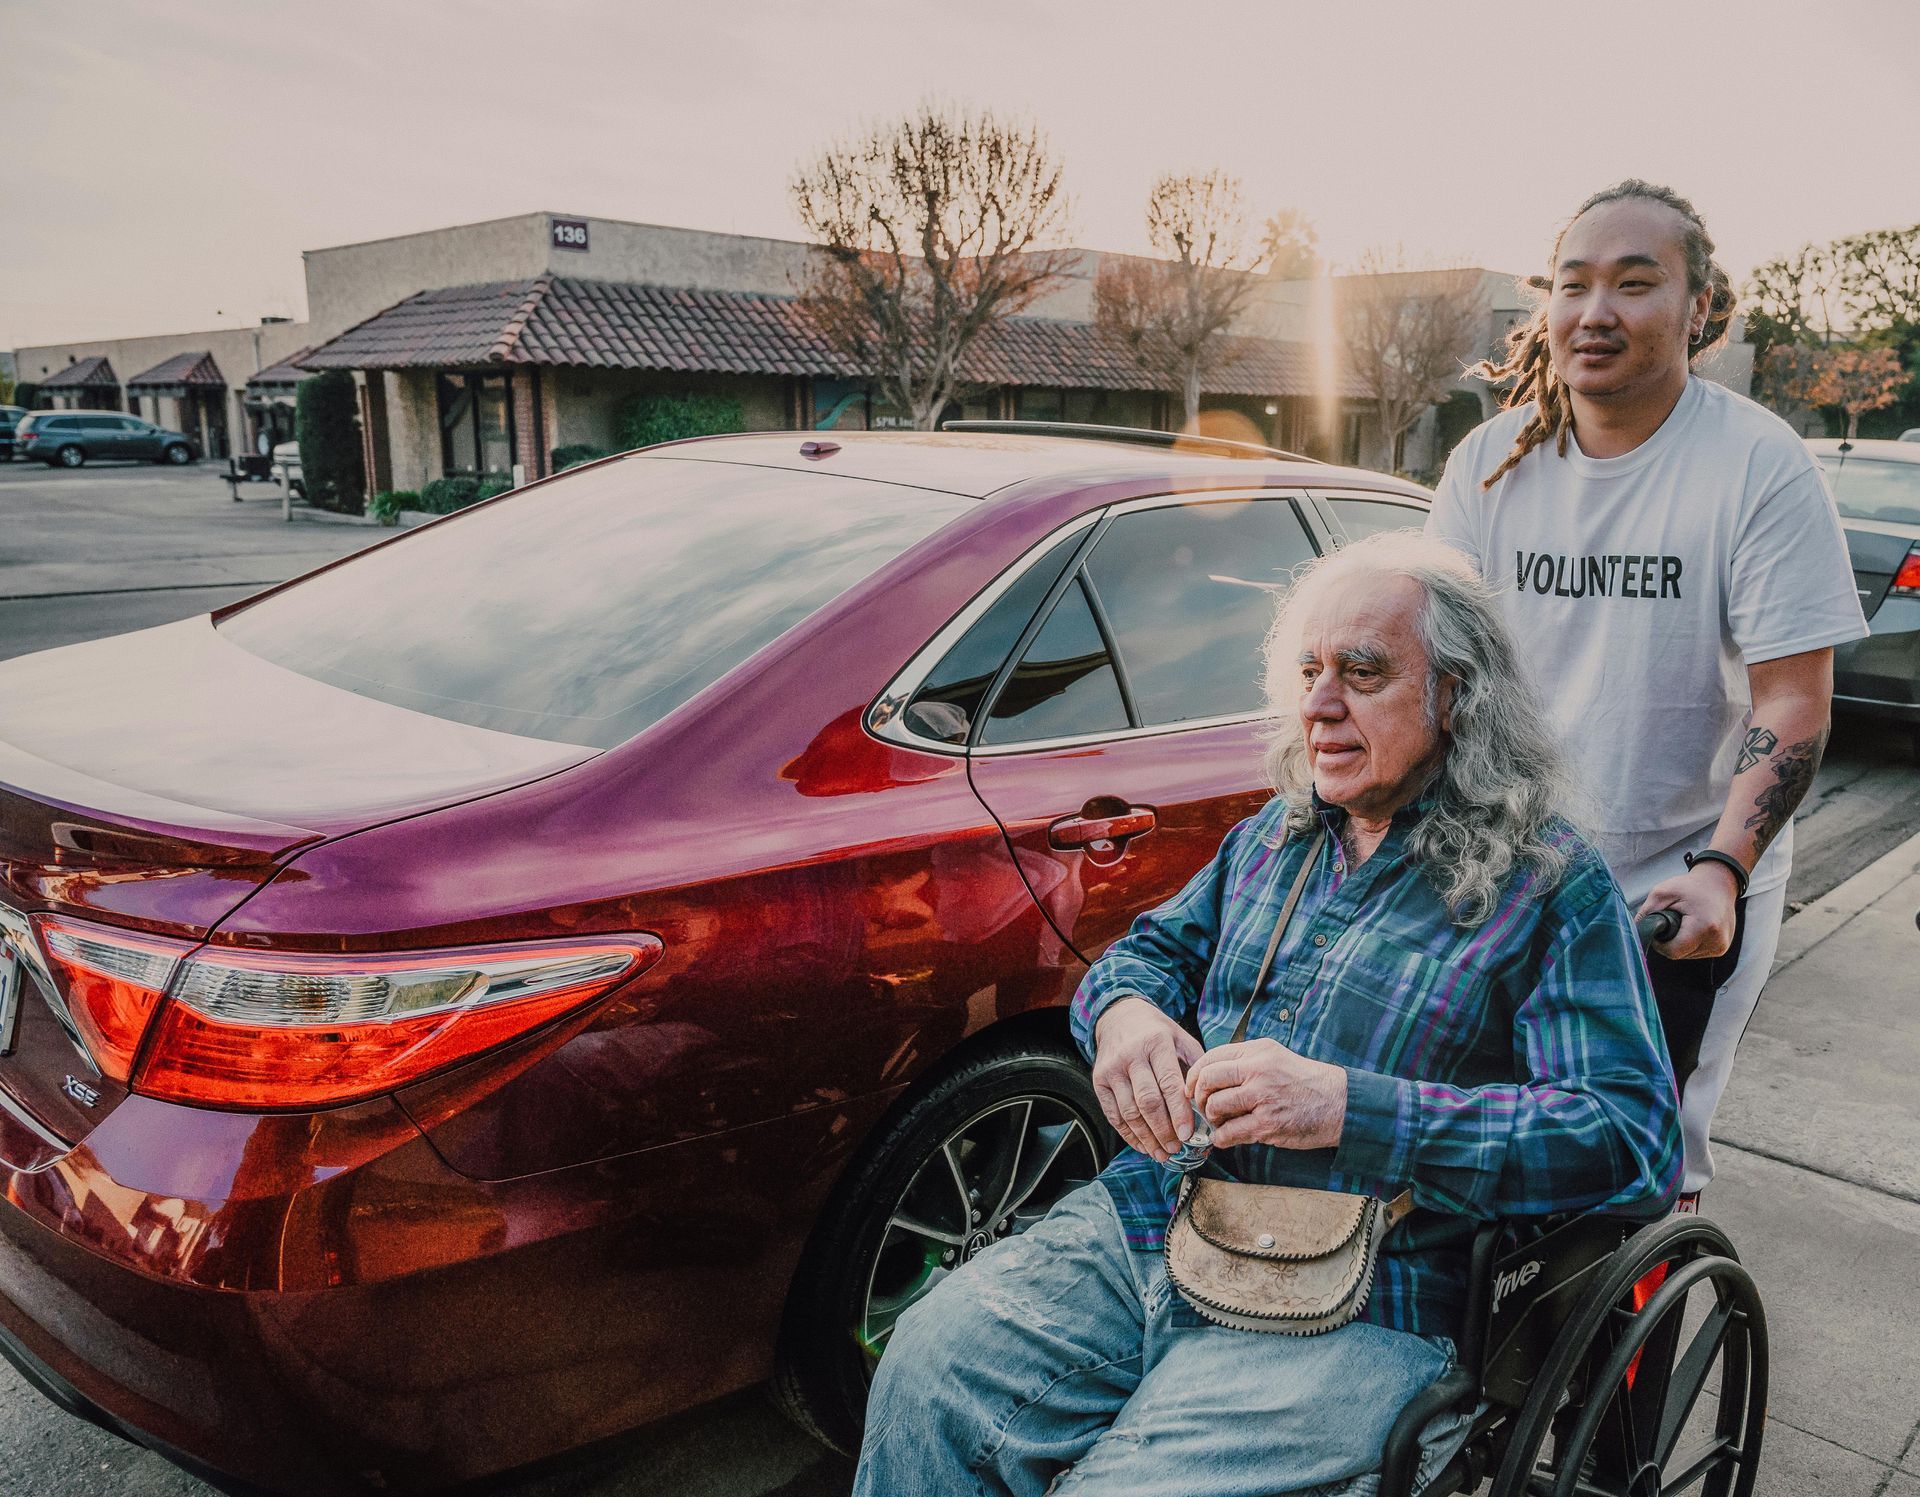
313 516
1827 914
407 520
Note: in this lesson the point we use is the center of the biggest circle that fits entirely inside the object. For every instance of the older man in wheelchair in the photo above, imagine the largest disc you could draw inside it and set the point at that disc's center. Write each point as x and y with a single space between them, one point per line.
1408 982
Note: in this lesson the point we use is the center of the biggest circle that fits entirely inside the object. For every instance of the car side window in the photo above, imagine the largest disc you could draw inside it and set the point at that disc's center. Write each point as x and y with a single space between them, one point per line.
948 702
1064 686
1188 591
1360 518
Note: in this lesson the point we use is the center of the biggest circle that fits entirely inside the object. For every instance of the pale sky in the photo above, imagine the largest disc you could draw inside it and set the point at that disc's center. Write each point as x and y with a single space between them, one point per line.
167 161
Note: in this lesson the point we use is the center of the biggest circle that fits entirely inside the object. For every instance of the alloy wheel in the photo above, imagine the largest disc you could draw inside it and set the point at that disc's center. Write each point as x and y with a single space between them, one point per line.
994 1176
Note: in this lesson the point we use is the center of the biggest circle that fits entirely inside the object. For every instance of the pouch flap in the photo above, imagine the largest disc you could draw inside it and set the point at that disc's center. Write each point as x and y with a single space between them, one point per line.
1275 1221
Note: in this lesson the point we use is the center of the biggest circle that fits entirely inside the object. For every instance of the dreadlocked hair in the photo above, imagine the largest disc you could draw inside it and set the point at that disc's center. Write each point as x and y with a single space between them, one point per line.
1529 363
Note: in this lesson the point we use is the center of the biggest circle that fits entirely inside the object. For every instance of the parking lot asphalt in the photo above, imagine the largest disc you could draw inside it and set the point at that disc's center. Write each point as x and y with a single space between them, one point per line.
1818 1141
104 549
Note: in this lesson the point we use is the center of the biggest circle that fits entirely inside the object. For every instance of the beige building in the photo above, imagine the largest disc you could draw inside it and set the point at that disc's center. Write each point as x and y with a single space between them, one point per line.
482 348
192 382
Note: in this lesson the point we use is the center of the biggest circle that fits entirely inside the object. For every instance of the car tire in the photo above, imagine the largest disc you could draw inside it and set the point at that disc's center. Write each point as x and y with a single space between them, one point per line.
1020 1096
69 456
177 454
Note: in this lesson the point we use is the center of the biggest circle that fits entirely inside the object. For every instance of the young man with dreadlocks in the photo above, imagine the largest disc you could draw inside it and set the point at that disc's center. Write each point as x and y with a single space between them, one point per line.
1672 565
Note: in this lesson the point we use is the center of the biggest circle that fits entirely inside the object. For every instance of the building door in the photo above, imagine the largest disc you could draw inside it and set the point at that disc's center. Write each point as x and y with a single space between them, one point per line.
213 422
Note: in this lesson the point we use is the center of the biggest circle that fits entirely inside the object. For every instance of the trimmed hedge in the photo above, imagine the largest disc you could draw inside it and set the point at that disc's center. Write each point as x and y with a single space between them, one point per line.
646 419
576 453
442 496
326 422
386 505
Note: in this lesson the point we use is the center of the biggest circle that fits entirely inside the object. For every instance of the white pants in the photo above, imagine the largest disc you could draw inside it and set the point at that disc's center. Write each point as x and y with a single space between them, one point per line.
1733 1007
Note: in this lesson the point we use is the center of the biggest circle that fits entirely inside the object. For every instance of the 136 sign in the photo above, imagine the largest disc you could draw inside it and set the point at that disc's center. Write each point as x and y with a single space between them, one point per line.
569 233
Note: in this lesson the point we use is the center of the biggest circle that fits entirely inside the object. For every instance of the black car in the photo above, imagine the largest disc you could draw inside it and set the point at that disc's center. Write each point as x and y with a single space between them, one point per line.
10 417
1876 485
67 439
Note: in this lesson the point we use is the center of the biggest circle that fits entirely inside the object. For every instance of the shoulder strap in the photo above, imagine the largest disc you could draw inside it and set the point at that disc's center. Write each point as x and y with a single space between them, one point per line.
1279 929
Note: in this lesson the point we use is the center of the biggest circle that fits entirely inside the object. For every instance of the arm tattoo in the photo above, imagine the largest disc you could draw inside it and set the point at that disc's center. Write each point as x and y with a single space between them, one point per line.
1792 774
1760 742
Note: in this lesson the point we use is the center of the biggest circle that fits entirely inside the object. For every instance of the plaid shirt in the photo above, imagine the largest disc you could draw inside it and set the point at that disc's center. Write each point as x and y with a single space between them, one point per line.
1512 1068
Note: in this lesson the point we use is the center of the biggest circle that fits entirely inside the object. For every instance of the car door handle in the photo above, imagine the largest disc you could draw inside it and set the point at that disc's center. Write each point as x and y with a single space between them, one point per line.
1100 833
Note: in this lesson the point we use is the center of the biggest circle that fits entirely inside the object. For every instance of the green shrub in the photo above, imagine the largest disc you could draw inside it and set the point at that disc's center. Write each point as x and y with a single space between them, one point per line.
489 488
386 505
25 394
442 496
646 419
326 421
576 453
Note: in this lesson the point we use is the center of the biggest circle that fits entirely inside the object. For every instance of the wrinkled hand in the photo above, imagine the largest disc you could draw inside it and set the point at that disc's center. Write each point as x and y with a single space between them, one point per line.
1260 1092
1704 896
1139 1055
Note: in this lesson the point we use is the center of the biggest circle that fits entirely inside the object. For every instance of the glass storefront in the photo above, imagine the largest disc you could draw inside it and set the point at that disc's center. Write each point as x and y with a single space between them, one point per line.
476 425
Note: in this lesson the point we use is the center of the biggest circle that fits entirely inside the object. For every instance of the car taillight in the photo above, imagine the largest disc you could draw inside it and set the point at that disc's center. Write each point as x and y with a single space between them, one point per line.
109 981
254 1029
1906 581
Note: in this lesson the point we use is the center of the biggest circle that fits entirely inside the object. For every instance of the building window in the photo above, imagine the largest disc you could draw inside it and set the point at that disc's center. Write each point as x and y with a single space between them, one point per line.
1039 405
476 425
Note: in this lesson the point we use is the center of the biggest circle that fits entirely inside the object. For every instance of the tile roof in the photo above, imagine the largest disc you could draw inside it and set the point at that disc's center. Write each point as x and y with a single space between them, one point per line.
283 375
83 374
557 321
192 369
616 325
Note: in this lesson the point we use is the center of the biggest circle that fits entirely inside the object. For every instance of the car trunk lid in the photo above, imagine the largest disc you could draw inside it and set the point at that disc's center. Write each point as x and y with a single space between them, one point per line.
152 782
1876 550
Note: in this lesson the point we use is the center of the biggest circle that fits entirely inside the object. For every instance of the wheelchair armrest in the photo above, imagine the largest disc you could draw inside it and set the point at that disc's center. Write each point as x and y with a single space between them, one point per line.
1460 1385
1400 1461
1471 1349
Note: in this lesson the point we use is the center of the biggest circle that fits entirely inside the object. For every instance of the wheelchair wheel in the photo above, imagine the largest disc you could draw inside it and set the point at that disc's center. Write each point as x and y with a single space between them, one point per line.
1616 1410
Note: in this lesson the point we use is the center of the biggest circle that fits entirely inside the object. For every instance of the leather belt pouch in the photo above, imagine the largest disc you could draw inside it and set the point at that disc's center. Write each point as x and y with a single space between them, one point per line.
1276 1257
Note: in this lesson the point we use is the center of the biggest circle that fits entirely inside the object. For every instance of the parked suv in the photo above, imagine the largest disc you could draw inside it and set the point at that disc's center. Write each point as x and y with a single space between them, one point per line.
287 470
67 439
10 417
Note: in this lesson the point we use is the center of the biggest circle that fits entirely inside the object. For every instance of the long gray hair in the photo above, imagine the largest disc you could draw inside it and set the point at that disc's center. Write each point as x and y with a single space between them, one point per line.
1501 779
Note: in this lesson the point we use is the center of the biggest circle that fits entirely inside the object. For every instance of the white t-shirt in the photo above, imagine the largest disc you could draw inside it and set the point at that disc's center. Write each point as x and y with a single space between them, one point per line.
1640 587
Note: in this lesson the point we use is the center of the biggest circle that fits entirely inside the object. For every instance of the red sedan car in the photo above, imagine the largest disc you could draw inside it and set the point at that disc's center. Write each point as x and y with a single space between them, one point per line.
587 955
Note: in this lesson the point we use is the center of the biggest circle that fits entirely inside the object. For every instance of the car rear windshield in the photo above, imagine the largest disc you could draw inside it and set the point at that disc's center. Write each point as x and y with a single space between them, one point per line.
587 609
1866 488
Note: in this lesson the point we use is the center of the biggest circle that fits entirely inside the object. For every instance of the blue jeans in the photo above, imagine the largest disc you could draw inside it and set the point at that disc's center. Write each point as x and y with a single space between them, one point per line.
1052 1364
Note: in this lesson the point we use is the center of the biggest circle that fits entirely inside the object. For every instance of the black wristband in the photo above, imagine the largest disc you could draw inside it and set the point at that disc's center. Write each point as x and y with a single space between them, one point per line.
1726 860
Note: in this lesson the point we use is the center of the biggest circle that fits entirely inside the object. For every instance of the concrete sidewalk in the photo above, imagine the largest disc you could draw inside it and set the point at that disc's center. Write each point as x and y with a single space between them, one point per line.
1817 1143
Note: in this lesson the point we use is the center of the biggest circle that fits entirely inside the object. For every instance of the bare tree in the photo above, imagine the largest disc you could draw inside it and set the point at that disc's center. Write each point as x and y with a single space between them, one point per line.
1879 273
927 231
1409 333
1172 312
1791 299
1291 246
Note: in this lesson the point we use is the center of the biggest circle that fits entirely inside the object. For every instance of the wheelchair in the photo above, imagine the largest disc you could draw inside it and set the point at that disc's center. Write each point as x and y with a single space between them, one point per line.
1588 1349
1583 1363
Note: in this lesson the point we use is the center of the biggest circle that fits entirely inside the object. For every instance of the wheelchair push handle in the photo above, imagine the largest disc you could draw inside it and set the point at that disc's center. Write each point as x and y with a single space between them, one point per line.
1657 926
